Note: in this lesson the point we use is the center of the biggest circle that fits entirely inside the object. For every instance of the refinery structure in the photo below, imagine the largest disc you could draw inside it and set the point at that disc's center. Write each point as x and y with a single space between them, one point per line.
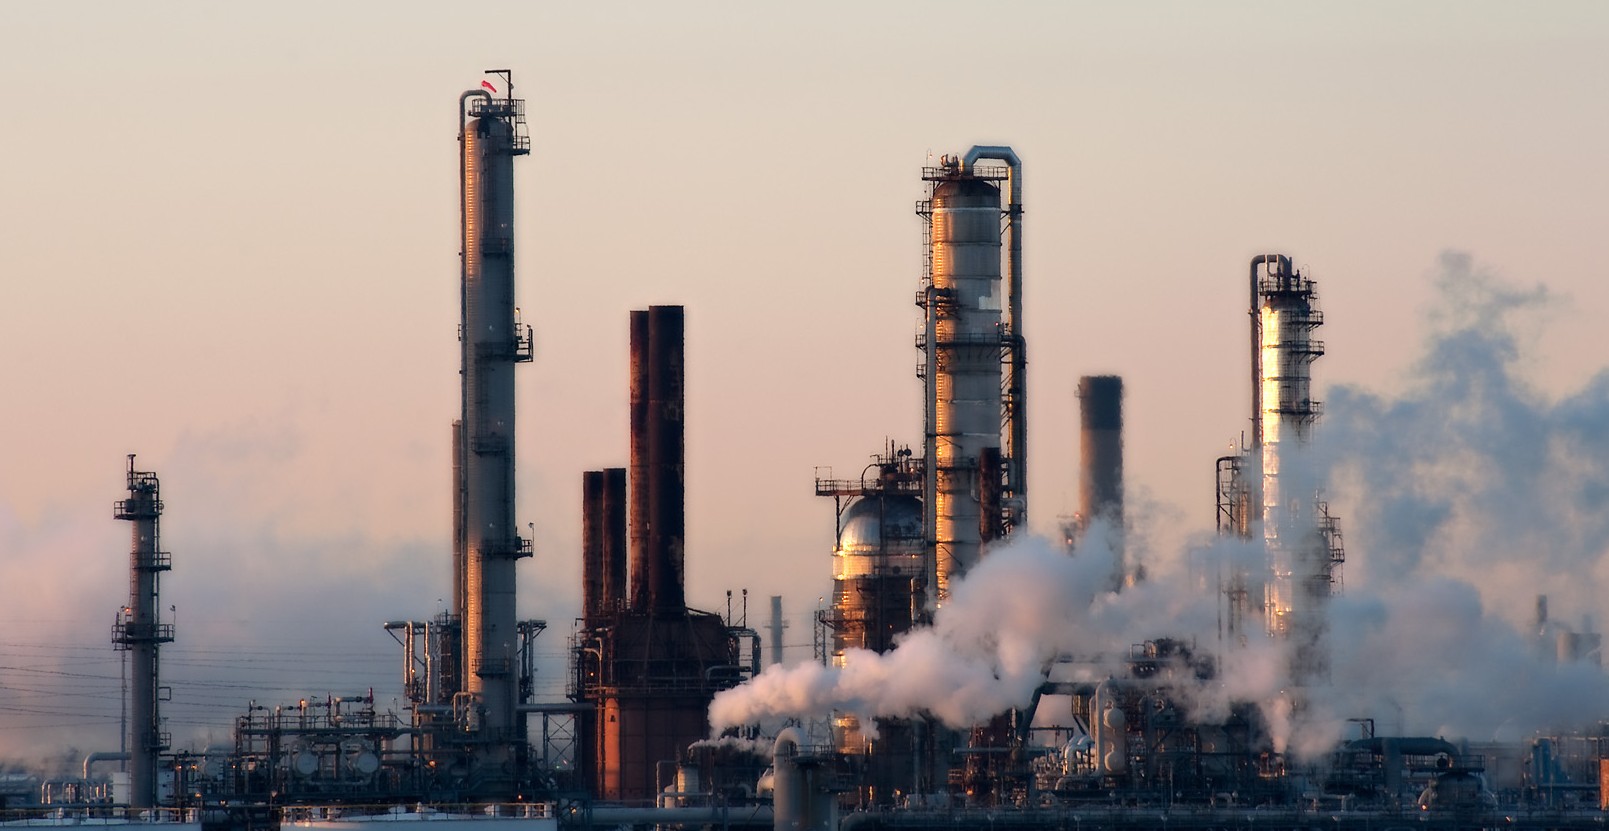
1103 741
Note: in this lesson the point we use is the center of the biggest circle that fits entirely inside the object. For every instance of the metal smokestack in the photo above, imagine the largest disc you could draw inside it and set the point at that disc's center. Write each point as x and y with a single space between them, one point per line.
640 557
139 630
593 567
667 521
1101 475
614 541
658 489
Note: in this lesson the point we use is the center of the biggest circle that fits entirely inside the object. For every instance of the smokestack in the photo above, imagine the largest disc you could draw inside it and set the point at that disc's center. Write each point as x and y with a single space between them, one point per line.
593 567
614 541
777 625
1101 476
666 470
658 489
639 462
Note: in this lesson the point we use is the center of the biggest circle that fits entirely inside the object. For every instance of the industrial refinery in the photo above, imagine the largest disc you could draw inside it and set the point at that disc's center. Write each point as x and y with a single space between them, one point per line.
965 673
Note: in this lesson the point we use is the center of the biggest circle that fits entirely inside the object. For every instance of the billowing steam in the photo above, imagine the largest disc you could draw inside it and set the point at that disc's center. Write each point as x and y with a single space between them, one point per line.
1462 499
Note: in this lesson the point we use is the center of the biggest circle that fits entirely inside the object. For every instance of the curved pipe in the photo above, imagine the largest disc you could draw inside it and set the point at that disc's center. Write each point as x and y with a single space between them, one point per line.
91 759
1017 433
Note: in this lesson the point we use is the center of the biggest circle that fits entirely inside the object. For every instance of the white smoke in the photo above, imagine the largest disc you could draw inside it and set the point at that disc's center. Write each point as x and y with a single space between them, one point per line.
1462 498
1023 606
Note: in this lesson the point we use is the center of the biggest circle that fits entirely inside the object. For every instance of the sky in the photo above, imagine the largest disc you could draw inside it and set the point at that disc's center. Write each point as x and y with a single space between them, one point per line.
229 240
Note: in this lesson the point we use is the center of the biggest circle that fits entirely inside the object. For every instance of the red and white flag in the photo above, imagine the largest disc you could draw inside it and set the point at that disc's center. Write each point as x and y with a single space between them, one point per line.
488 85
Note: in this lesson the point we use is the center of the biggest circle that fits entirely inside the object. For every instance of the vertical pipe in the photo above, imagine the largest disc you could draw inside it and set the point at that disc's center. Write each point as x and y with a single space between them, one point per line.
990 521
641 562
593 568
667 472
454 646
614 542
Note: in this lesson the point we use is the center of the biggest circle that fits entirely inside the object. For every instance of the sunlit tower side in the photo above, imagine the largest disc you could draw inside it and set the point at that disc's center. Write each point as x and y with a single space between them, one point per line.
492 341
139 630
1263 493
974 364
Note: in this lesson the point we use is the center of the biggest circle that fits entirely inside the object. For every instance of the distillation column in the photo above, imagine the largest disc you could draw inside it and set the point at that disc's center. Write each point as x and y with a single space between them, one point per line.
492 341
1285 316
139 631
972 330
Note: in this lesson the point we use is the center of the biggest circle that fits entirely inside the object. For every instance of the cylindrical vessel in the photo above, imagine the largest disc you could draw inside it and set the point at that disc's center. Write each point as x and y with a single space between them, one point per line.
490 348
876 563
1299 558
139 631
965 360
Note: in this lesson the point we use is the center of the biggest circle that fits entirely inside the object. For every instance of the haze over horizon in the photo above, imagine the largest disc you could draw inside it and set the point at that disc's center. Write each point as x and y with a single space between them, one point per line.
231 235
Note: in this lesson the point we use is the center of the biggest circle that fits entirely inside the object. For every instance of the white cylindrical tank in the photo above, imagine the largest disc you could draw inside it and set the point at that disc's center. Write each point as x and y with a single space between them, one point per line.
964 354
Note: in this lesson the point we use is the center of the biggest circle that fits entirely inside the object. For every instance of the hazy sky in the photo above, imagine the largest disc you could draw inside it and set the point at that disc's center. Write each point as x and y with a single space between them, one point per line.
229 239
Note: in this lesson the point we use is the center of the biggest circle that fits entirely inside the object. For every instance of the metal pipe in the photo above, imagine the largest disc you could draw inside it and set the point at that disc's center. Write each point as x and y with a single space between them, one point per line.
102 756
711 815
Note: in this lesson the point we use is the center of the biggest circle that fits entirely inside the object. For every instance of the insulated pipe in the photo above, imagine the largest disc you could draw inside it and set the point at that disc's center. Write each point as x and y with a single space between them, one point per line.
1016 449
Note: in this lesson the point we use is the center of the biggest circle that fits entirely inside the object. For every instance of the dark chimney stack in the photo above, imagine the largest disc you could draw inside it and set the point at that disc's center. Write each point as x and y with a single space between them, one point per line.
658 487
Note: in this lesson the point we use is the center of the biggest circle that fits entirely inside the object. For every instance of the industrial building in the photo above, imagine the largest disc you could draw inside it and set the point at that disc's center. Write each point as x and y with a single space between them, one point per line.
1104 741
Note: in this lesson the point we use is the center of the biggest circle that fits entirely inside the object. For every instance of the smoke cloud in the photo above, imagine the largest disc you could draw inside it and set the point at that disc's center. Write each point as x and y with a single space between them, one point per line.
1462 498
